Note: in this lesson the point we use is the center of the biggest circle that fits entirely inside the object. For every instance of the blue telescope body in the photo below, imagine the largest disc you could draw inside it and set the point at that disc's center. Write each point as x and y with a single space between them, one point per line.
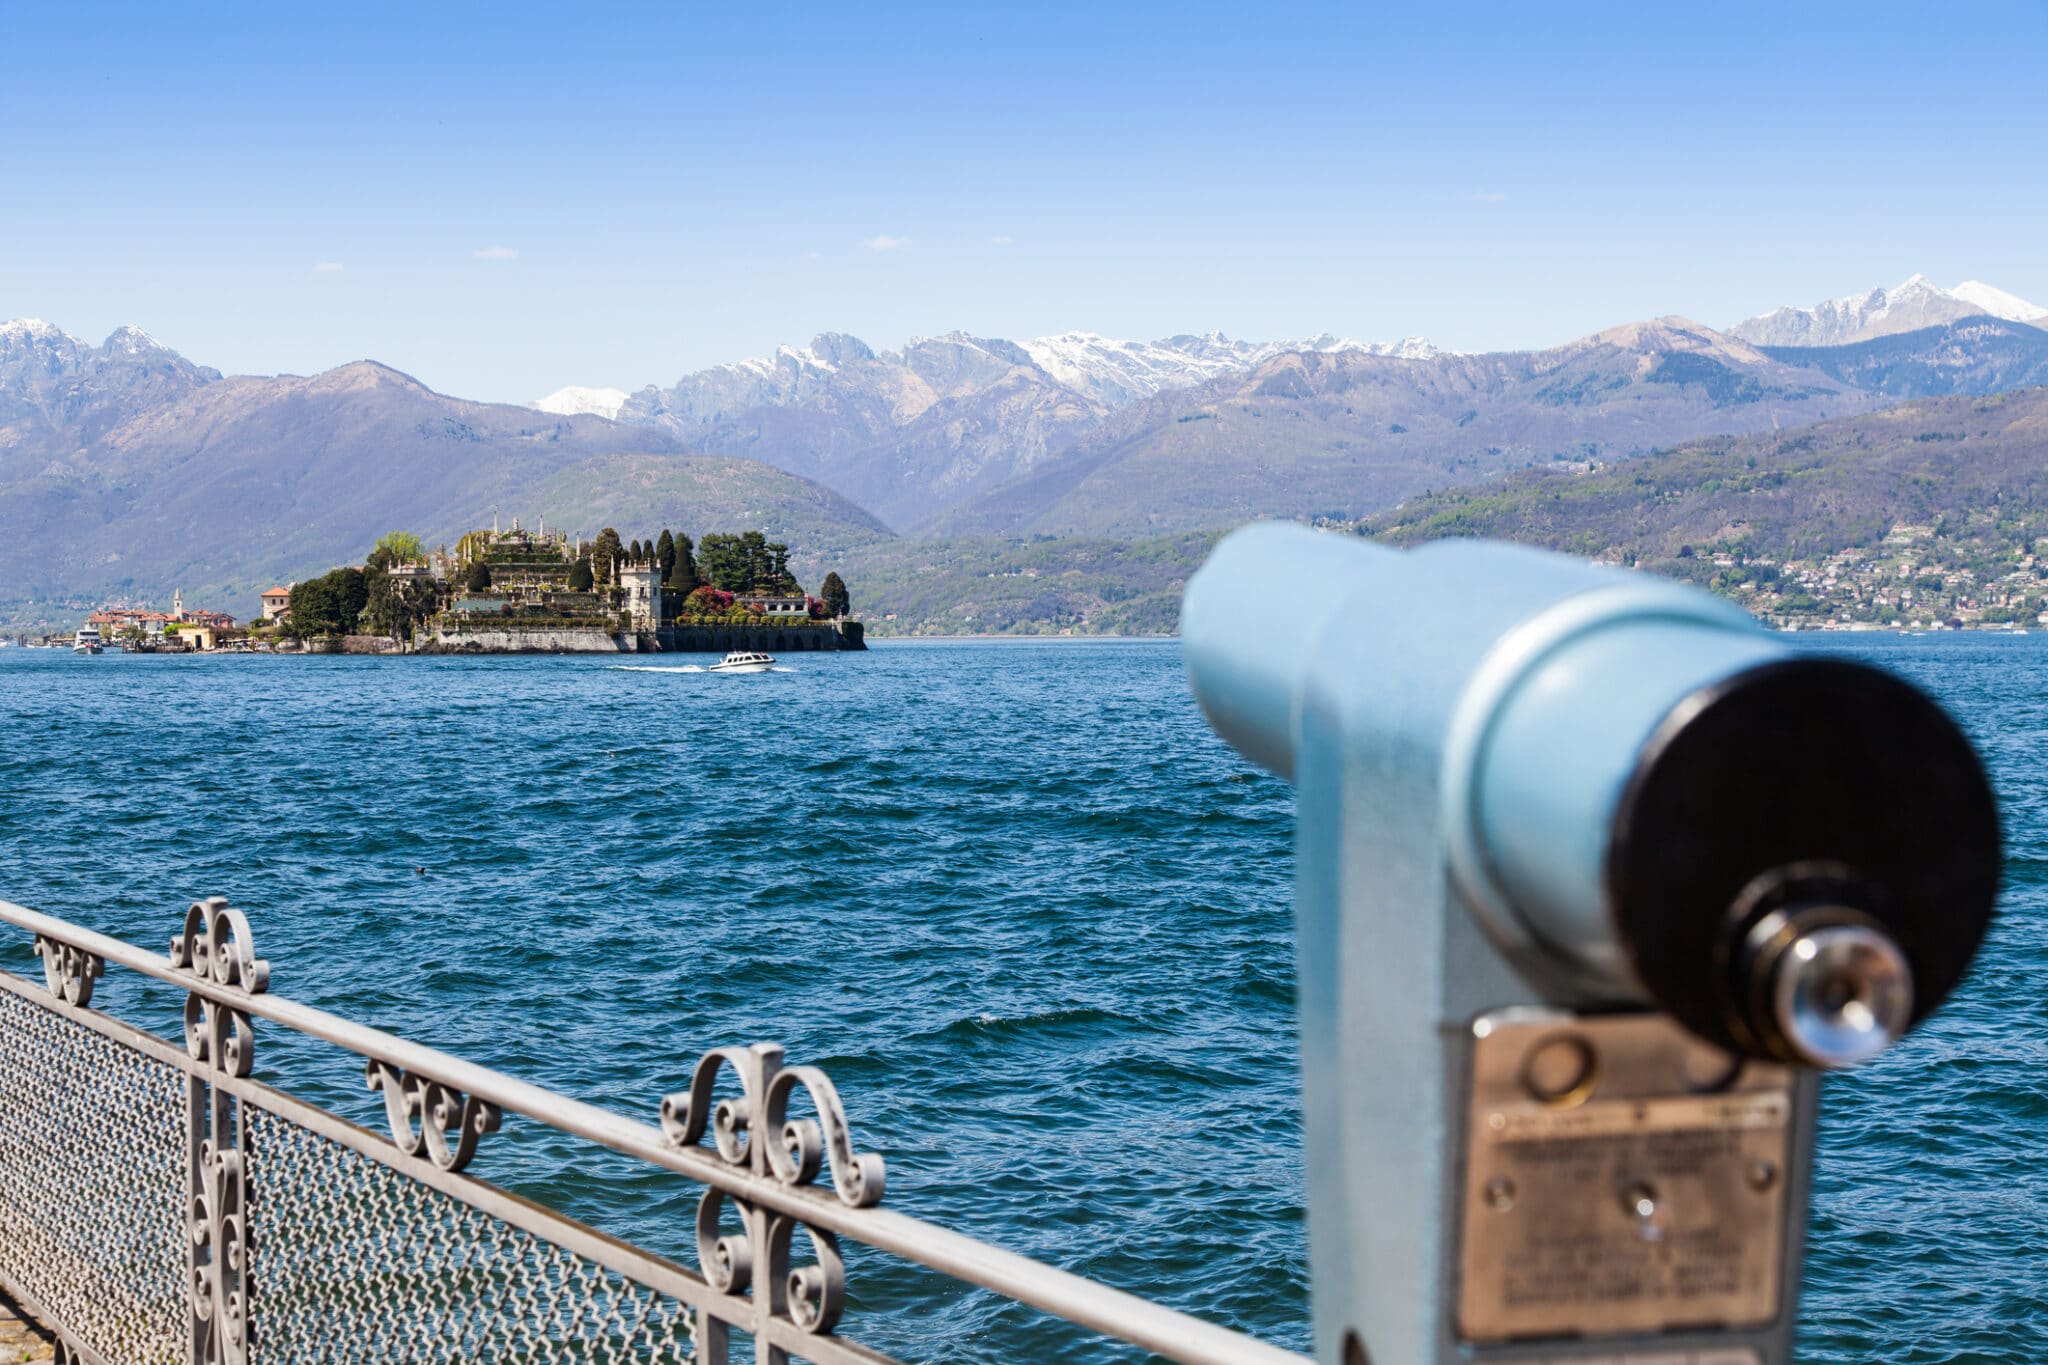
1534 787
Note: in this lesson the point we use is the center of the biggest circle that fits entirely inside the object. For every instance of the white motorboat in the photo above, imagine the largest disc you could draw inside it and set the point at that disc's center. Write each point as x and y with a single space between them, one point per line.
87 641
744 661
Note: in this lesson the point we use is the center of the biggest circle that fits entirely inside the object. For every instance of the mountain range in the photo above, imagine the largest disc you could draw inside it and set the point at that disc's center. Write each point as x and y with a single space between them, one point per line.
912 433
1917 303
1083 434
126 470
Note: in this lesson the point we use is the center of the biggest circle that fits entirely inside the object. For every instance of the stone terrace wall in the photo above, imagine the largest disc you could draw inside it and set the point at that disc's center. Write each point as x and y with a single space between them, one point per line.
529 640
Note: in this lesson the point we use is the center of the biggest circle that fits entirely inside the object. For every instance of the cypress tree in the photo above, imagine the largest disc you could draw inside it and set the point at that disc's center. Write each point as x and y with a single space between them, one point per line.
579 576
832 592
604 557
683 577
665 555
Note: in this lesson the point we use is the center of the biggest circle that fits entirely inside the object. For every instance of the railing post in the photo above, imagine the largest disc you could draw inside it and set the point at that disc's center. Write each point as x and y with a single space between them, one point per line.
220 1293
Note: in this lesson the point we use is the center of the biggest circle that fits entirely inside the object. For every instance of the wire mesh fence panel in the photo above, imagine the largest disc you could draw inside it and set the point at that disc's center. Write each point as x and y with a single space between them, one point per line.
358 1261
92 1184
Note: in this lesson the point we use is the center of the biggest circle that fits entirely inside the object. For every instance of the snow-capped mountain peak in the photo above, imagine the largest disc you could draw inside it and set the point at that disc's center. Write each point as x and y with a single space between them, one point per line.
1908 306
1107 371
1998 303
32 336
1117 372
124 342
21 327
576 399
129 339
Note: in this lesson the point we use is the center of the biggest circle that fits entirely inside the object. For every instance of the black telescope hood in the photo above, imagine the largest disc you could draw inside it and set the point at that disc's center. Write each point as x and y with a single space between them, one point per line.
1797 763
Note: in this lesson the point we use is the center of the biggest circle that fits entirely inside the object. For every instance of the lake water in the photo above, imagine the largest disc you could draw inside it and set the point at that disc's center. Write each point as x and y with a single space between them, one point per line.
1027 911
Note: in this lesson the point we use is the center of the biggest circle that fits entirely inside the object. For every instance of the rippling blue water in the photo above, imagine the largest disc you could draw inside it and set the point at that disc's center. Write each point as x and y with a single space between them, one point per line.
1027 911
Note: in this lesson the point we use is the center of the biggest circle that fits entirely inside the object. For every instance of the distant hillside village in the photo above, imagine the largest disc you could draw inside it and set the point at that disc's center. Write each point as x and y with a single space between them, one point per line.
1918 576
521 590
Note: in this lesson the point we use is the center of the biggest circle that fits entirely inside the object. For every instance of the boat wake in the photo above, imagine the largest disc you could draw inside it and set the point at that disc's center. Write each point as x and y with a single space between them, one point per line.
656 668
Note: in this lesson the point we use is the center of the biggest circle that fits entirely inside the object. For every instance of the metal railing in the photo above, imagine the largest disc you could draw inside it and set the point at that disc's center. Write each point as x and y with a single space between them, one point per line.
158 1203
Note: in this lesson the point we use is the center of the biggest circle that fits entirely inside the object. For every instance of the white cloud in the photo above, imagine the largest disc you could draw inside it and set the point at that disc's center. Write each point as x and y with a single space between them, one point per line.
884 242
1001 239
495 253
327 268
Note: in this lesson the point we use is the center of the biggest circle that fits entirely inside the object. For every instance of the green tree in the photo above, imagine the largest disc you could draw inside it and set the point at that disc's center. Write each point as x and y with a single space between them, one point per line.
351 591
478 577
395 605
834 595
633 553
329 604
605 555
682 576
579 576
398 547
722 561
754 546
665 554
778 570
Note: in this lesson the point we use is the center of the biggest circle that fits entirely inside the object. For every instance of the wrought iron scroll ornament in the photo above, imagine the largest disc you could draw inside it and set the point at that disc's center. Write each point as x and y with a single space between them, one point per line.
423 1112
753 1131
69 972
216 947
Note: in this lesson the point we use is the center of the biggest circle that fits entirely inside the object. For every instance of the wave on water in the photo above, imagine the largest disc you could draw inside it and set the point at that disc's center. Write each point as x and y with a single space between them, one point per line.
680 668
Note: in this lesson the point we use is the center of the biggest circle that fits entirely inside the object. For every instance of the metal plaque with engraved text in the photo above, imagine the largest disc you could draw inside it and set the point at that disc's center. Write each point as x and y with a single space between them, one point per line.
1620 1177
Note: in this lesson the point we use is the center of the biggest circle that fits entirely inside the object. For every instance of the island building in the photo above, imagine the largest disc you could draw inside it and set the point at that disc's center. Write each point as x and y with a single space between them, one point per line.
641 584
788 608
277 603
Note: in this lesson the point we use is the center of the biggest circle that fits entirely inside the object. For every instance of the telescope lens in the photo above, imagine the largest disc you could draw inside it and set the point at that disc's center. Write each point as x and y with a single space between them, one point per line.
1841 994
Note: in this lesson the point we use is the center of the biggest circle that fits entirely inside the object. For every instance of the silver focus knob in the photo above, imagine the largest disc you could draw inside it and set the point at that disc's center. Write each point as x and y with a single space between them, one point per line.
1839 993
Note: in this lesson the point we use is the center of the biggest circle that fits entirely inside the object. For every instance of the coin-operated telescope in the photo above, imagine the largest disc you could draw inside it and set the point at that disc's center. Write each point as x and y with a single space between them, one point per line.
1594 876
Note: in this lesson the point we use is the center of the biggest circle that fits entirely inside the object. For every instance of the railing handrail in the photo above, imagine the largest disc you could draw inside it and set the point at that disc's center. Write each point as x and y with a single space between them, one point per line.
1113 1313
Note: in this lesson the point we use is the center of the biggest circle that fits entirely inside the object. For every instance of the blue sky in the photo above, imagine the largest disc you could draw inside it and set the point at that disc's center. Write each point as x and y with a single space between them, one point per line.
502 200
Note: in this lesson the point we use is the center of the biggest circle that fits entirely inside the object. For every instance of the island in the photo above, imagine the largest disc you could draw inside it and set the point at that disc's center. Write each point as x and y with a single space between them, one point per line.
522 590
